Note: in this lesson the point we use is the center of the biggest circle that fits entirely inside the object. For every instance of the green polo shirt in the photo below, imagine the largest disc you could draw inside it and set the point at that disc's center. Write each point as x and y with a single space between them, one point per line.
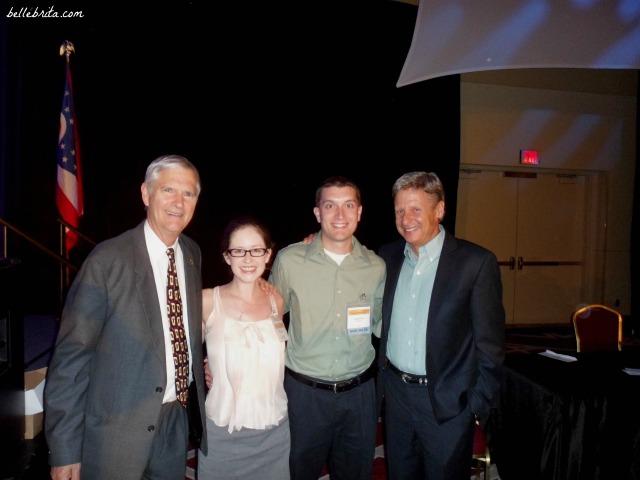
318 294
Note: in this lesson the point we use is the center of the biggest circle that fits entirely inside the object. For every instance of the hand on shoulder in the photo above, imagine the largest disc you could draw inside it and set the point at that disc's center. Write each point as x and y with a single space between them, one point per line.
309 238
268 288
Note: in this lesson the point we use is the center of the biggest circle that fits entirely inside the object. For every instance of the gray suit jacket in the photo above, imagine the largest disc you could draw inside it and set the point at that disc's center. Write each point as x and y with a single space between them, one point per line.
107 376
465 327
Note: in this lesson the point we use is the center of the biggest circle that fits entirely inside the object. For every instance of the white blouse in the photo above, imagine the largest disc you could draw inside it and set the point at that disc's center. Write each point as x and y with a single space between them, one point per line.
246 359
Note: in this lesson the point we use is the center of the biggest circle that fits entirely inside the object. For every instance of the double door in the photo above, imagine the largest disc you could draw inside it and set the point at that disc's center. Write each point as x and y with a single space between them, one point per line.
536 224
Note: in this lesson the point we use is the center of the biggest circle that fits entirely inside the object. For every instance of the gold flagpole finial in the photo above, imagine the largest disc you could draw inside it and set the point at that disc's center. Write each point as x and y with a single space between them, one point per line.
67 49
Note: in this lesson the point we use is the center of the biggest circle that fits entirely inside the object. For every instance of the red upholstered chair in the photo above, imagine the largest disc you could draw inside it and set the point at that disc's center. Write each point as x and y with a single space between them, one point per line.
481 454
598 329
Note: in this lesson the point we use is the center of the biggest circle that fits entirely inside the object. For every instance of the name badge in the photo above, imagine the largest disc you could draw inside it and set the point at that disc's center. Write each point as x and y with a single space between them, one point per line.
359 320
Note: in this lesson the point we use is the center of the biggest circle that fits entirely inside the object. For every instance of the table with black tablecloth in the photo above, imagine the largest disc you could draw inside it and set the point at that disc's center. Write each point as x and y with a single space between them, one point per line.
568 420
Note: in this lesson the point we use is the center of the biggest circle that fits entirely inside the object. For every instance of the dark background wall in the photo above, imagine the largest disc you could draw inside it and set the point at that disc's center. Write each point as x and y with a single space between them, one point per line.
266 100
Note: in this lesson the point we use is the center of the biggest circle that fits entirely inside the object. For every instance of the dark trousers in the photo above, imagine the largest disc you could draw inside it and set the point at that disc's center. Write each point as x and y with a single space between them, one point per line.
338 428
417 446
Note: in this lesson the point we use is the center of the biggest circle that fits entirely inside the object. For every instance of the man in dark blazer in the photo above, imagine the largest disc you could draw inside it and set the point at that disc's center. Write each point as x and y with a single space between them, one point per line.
442 344
110 396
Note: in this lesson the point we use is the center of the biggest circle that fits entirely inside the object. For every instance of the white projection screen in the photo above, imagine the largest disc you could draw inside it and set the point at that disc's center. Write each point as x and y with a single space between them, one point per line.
462 36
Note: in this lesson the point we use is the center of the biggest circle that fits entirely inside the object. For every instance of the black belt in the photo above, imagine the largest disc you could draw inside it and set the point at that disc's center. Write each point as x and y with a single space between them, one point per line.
335 387
407 377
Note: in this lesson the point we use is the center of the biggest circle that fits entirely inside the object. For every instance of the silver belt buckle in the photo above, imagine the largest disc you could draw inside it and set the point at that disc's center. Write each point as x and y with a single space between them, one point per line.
405 377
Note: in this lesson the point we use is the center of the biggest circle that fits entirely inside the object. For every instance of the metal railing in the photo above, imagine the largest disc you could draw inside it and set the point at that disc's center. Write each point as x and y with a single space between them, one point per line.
66 266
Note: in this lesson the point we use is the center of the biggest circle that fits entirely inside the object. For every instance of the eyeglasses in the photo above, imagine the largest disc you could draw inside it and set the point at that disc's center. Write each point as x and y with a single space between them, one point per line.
241 252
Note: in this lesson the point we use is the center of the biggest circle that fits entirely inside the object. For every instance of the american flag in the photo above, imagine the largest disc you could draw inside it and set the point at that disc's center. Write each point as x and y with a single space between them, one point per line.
69 196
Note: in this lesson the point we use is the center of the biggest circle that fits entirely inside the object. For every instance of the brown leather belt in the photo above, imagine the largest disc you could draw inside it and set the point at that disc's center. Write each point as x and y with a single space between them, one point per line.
407 377
335 387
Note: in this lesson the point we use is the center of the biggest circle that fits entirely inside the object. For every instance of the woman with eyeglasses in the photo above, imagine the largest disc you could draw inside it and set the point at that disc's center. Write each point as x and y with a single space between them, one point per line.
247 422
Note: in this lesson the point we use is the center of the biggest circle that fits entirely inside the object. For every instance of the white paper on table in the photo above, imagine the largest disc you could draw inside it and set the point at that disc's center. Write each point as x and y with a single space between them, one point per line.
558 356
631 371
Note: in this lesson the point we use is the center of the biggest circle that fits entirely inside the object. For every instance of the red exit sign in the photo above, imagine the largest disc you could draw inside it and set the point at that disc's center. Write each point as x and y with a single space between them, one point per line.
529 157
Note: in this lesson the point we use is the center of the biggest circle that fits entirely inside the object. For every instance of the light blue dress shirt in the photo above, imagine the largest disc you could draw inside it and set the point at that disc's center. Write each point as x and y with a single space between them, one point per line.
407 343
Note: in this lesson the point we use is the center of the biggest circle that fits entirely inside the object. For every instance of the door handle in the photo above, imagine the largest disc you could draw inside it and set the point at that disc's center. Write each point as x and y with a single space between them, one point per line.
511 263
522 263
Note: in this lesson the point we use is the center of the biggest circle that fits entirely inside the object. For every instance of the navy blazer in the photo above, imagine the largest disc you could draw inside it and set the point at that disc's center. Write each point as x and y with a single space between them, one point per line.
465 329
107 376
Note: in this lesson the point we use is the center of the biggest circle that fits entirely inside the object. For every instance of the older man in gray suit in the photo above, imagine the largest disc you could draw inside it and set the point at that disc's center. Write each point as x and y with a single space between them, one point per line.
111 408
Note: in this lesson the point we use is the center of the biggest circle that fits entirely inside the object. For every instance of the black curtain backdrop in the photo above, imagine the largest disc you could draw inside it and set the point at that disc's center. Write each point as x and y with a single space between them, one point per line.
267 100
635 230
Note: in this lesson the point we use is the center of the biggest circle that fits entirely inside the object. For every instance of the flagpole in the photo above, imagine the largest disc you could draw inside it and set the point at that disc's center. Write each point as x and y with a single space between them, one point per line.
66 49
